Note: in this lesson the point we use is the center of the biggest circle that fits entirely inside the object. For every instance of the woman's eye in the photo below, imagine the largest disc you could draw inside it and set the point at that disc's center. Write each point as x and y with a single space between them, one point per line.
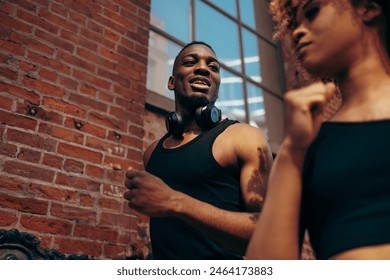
311 13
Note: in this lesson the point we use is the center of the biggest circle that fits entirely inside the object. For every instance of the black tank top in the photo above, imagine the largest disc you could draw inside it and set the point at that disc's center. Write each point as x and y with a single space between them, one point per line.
346 180
192 169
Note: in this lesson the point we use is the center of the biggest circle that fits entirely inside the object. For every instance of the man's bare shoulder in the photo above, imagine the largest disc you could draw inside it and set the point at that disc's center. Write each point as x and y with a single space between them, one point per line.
148 152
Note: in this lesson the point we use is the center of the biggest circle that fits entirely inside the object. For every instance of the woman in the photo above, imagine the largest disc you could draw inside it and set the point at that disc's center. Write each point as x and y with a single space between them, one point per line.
332 177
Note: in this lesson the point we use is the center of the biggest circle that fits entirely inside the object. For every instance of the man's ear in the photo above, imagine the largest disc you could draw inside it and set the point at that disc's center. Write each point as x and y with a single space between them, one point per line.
171 83
371 11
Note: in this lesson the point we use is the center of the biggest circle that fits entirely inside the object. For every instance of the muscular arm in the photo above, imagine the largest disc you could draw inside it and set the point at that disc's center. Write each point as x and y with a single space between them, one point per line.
231 229
276 234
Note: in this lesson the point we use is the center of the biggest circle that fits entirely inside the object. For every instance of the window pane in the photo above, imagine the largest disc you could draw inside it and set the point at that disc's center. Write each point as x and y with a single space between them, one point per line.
269 70
247 13
251 55
172 16
230 98
226 5
162 53
220 32
256 107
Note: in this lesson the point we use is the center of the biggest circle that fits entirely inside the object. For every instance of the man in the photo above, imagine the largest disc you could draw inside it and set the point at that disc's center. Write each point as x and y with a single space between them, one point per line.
209 176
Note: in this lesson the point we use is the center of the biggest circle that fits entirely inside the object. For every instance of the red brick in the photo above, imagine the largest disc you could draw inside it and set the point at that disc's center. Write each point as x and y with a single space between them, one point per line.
114 190
73 213
43 87
107 121
6 8
97 144
116 163
87 127
8 73
88 102
36 20
7 218
75 61
96 232
53 193
110 204
123 81
79 152
74 166
88 90
52 117
127 237
52 160
31 43
48 74
11 47
76 17
56 20
92 80
60 43
121 220
96 58
46 225
62 106
59 9
20 92
48 62
112 251
94 171
29 155
116 176
87 200
71 246
14 185
8 150
23 204
31 140
29 171
16 120
67 135
77 182
135 155
111 23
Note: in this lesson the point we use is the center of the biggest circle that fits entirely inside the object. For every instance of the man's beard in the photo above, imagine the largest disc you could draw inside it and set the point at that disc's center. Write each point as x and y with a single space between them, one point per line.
194 102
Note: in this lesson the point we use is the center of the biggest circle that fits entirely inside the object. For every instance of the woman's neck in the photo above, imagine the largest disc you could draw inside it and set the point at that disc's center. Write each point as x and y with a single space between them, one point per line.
365 88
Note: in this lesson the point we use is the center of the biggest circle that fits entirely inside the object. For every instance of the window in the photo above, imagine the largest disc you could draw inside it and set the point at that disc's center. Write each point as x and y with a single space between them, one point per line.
240 32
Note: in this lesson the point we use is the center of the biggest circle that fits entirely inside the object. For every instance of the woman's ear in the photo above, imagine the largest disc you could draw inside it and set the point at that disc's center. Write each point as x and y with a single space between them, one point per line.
371 11
171 83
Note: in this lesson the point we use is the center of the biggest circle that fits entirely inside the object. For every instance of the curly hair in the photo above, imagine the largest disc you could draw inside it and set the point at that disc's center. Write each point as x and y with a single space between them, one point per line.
284 15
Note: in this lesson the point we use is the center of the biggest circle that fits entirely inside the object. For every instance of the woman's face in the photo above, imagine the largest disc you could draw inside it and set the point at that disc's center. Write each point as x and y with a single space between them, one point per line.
328 36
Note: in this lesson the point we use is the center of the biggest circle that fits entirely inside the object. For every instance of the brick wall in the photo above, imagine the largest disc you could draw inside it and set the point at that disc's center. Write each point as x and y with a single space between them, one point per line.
72 87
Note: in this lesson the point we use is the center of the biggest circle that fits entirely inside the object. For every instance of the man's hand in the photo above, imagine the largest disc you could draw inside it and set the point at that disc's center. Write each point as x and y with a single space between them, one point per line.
149 195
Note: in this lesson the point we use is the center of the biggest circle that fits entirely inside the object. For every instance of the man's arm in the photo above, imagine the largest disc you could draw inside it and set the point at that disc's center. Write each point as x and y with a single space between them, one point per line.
151 196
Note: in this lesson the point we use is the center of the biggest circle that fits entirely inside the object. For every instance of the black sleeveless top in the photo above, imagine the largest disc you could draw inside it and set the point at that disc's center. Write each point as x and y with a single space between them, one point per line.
192 169
346 187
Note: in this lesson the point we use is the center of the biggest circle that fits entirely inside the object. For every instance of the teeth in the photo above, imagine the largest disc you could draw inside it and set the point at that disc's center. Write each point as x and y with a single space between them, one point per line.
199 82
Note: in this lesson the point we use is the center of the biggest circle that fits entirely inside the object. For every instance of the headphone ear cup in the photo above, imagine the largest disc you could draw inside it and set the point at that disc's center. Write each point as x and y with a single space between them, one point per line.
174 124
208 116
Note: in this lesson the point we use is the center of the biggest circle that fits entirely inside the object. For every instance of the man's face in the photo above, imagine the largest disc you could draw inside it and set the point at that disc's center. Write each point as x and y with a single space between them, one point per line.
195 77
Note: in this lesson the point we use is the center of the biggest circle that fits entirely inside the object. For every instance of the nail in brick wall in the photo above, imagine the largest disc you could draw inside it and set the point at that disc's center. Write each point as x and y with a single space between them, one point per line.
72 87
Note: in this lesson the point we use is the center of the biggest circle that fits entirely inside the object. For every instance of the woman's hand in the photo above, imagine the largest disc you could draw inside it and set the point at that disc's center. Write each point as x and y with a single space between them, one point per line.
304 113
